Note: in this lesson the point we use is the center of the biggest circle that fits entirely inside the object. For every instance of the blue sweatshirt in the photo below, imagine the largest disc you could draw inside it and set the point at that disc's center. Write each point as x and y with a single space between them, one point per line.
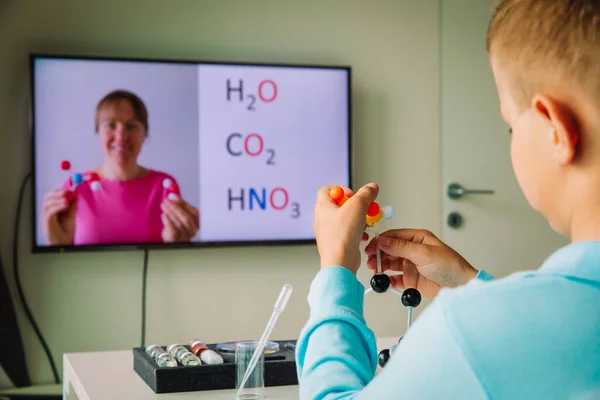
531 335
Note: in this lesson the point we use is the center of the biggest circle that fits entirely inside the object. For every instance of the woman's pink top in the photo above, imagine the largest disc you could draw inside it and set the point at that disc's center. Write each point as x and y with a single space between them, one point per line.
120 212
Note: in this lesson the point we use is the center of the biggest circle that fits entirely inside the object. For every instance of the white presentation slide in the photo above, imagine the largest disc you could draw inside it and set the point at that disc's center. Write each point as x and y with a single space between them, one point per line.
270 137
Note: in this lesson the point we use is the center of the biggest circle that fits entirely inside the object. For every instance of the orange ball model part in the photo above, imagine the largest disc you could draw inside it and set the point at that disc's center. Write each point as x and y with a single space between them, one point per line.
337 194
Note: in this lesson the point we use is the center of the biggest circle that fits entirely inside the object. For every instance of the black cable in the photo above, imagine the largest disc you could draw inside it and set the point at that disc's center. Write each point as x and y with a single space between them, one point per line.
15 250
144 280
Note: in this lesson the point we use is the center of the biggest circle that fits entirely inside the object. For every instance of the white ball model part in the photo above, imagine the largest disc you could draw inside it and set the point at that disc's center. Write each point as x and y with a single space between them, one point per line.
95 186
172 196
388 212
167 183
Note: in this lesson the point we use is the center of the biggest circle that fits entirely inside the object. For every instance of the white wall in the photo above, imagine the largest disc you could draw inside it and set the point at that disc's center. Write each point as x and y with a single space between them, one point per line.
88 302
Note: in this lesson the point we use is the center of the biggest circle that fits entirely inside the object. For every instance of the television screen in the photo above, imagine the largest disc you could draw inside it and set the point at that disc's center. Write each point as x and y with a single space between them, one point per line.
138 152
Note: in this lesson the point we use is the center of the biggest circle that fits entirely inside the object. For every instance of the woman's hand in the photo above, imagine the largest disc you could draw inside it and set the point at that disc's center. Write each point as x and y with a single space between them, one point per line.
339 230
427 263
181 220
58 217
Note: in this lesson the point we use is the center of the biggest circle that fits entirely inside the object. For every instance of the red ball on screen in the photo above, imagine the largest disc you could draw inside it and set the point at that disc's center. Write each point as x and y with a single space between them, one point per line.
173 188
70 196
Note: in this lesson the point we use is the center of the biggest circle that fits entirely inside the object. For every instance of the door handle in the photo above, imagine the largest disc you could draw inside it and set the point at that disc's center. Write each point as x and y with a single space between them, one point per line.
456 191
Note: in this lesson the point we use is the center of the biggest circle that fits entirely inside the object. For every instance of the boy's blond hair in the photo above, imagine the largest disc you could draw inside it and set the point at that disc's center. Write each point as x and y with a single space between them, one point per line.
541 41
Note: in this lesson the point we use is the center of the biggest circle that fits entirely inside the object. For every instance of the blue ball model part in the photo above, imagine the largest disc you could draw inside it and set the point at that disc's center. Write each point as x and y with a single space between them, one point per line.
77 178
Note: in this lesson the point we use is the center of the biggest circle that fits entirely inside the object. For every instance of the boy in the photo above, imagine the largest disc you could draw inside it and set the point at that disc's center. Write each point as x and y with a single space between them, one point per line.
533 335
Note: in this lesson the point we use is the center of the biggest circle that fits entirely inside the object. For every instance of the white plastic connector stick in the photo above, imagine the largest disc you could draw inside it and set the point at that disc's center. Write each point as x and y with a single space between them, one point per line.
377 250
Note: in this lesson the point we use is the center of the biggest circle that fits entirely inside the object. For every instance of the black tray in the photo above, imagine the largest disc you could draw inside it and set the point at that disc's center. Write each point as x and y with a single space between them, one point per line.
280 370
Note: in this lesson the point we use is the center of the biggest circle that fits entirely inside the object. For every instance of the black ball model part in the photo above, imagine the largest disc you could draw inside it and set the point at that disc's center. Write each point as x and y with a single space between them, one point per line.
411 297
384 357
380 283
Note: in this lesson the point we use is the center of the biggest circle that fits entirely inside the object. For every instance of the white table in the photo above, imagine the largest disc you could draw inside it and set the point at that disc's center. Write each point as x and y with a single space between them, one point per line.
109 375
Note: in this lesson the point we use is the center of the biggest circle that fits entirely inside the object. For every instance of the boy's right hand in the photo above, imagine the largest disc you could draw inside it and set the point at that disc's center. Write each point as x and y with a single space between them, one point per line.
427 263
58 217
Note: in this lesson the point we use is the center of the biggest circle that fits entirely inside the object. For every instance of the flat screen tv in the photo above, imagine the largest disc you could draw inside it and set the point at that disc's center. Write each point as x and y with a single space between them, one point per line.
151 153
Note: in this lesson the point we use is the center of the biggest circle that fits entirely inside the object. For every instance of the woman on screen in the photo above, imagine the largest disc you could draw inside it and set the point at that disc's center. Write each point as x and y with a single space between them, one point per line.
130 205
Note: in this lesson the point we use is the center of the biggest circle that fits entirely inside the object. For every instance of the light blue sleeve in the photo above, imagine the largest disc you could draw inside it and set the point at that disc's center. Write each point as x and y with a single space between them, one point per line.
484 276
337 356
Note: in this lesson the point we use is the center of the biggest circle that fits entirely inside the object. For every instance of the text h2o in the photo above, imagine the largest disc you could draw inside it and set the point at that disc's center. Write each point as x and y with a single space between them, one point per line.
251 144
267 92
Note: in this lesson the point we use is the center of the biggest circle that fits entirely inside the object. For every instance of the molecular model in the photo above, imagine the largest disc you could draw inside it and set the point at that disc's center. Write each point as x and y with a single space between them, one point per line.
380 282
374 214
173 191
78 178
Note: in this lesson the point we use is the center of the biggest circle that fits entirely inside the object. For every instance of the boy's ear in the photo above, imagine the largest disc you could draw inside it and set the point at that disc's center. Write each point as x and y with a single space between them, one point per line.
562 122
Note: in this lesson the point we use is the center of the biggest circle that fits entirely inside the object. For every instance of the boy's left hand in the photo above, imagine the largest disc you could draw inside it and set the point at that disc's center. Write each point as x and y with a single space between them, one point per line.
339 230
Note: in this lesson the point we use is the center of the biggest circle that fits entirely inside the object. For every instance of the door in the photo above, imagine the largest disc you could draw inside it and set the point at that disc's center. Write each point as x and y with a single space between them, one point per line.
494 229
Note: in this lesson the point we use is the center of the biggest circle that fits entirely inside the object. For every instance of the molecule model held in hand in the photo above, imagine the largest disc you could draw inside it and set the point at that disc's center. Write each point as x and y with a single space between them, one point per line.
380 282
77 179
173 192
374 214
